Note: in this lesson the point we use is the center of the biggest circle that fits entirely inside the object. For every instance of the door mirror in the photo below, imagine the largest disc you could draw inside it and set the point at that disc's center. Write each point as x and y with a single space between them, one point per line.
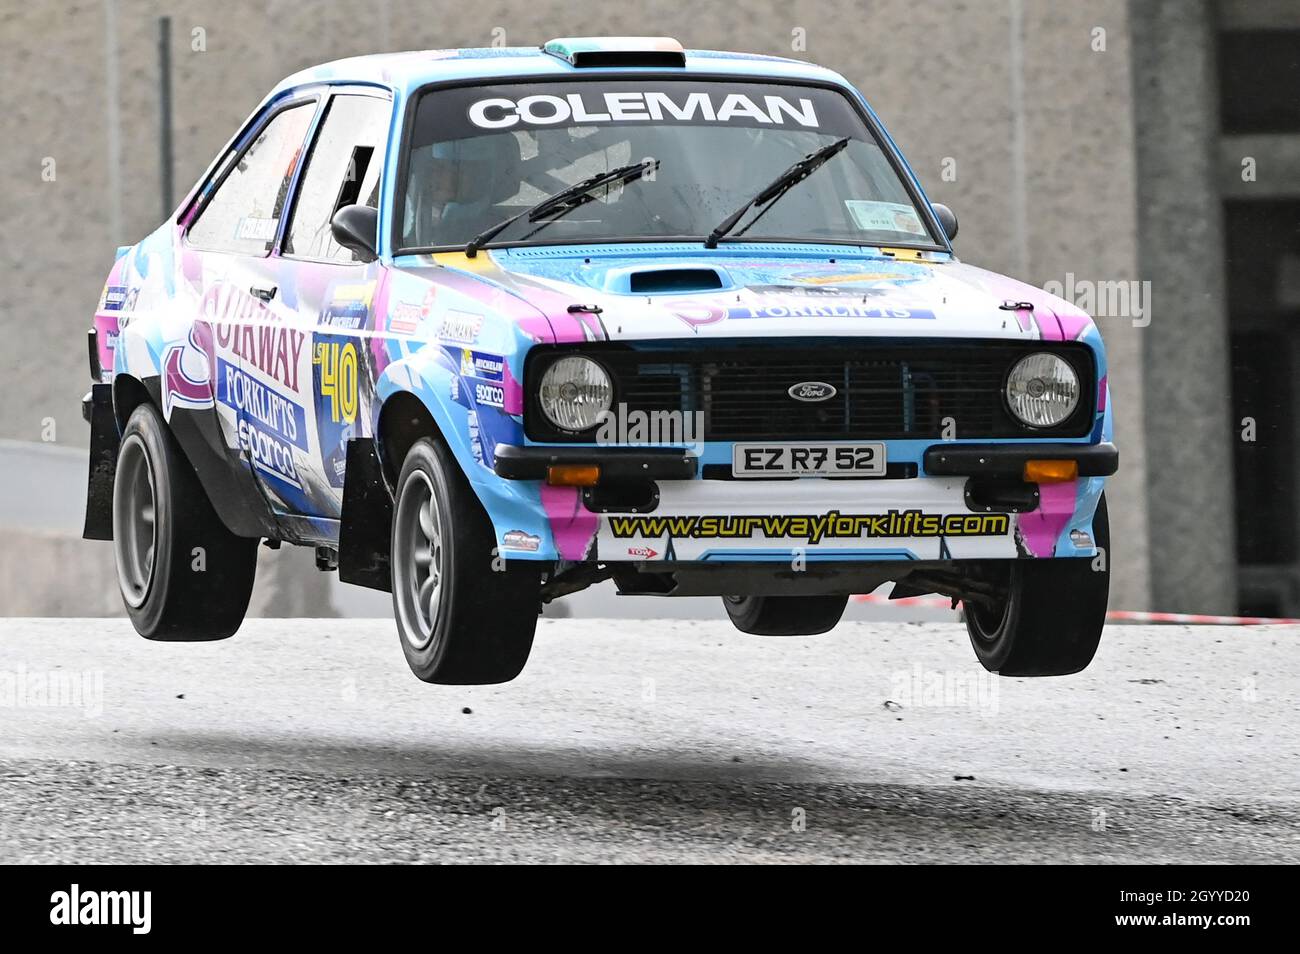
356 228
947 218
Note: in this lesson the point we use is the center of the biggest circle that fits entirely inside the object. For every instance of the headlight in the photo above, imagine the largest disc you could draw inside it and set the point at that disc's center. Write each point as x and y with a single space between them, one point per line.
574 392
1042 390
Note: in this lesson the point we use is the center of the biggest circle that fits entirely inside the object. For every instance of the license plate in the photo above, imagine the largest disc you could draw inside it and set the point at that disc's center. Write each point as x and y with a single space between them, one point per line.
807 460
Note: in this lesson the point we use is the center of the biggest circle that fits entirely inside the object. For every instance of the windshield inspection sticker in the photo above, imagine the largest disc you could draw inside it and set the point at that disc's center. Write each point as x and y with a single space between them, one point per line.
873 216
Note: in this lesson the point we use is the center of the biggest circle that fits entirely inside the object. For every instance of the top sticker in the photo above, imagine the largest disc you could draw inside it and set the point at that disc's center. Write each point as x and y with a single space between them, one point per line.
873 216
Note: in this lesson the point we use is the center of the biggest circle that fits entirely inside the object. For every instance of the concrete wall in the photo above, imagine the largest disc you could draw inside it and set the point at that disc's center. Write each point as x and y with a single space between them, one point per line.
1038 124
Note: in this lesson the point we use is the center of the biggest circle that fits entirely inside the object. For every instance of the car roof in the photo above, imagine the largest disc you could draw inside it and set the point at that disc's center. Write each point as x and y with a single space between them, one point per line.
404 72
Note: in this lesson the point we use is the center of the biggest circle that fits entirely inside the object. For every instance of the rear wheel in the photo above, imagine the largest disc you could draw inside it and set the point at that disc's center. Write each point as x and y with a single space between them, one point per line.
1049 623
785 615
183 575
464 615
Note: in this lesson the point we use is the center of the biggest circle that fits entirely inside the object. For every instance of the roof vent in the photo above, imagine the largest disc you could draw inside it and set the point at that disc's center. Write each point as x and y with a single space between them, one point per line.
583 51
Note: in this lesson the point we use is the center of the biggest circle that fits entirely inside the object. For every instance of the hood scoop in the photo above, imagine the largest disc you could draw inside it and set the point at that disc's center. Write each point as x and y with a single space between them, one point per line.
666 280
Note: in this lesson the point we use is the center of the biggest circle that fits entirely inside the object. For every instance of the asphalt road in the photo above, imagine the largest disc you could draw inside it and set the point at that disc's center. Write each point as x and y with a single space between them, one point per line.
628 741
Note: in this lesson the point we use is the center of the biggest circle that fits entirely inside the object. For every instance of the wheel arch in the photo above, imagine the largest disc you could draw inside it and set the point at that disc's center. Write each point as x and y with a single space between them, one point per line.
417 404
110 406
225 477
403 420
416 400
370 488
129 392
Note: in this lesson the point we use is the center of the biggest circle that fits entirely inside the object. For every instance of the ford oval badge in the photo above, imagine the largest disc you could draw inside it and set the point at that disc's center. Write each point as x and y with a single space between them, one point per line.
812 391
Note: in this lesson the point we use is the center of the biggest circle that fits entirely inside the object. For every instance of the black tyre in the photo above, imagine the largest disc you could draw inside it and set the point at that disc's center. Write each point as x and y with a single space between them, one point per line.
464 616
785 615
1050 623
184 577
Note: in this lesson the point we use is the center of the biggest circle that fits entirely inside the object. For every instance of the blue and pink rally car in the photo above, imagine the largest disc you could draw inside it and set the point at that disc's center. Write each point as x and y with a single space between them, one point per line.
486 327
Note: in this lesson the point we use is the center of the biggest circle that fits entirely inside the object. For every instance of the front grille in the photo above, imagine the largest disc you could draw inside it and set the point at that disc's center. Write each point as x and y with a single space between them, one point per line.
885 389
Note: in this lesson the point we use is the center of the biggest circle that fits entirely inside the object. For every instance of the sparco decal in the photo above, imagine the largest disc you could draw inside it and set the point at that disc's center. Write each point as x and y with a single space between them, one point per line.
490 395
650 106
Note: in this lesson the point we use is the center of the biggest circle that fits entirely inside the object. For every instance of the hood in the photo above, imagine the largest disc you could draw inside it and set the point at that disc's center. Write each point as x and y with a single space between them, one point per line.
672 291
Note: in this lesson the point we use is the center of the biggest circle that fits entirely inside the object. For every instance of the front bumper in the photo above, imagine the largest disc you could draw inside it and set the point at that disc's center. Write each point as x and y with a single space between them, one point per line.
1008 460
969 503
940 460
616 463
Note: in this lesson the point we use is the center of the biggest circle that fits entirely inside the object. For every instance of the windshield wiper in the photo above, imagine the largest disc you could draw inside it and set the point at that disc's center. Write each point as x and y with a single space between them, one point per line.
778 187
565 201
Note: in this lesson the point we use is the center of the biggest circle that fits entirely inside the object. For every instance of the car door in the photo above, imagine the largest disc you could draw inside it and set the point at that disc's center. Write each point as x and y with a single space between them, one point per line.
226 263
327 294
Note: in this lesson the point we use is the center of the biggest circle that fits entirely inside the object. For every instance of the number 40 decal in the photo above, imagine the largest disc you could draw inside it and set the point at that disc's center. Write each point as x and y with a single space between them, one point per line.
338 379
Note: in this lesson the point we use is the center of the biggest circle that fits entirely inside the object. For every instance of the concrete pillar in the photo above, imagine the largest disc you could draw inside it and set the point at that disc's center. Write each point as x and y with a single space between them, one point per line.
1185 351
1080 185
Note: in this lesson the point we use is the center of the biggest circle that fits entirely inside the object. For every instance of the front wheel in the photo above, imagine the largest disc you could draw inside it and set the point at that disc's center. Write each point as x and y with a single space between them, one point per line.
1050 620
785 615
465 616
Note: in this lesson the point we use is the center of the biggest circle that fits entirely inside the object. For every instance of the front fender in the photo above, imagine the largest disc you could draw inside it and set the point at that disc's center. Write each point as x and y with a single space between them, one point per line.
471 430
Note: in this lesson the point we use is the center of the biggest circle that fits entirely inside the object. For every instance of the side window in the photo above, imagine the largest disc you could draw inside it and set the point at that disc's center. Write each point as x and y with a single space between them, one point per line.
244 214
344 167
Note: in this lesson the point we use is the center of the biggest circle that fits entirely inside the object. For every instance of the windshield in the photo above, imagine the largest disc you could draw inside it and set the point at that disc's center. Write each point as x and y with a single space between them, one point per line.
479 155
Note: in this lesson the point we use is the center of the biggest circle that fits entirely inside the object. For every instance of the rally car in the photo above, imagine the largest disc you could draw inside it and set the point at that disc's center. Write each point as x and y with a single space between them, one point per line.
486 327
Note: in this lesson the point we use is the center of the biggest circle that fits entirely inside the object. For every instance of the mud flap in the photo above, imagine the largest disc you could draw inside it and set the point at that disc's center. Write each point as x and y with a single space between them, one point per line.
366 524
104 441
